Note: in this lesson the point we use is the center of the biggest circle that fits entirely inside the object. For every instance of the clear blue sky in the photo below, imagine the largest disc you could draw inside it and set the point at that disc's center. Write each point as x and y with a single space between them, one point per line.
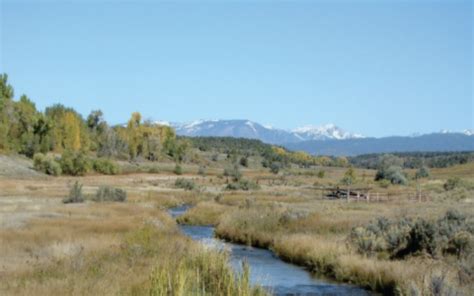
374 67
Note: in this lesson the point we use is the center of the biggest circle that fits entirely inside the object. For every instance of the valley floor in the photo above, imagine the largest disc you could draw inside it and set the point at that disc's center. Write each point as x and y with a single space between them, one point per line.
135 247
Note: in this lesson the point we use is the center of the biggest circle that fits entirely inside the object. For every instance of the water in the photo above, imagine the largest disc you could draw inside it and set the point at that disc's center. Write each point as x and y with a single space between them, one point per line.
266 269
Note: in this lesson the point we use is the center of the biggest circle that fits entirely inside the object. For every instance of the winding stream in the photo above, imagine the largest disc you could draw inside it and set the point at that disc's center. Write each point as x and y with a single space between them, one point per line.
266 269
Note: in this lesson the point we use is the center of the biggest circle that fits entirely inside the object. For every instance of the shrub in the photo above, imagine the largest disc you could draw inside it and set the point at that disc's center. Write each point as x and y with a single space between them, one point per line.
108 193
178 170
384 183
202 170
321 174
46 164
233 172
153 170
243 184
275 167
451 234
452 183
184 184
75 194
105 166
422 172
394 174
244 161
74 163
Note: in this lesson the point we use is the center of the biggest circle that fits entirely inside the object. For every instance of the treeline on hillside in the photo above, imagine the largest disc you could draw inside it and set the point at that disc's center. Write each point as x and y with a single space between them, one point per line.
412 160
274 157
60 130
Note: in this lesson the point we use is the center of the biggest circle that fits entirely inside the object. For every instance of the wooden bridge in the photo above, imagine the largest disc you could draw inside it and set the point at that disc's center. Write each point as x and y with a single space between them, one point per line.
368 194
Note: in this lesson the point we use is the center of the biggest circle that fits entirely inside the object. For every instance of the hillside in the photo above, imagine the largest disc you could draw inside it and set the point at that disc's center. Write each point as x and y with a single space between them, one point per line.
352 147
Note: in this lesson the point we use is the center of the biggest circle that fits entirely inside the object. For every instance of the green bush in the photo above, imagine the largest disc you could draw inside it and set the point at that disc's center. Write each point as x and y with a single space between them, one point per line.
184 184
384 183
422 172
75 194
105 166
275 167
75 163
452 183
46 164
394 174
108 193
451 234
321 174
244 161
243 184
178 170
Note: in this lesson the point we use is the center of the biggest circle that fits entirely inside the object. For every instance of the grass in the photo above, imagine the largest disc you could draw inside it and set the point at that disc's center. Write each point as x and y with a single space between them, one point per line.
204 213
135 248
317 238
132 248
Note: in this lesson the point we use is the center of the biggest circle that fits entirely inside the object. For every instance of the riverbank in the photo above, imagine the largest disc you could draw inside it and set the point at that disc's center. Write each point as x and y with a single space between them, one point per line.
315 235
107 248
266 269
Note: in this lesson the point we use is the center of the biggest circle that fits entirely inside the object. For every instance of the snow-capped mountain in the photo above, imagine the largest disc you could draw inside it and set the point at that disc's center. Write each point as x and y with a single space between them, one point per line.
254 130
468 132
324 132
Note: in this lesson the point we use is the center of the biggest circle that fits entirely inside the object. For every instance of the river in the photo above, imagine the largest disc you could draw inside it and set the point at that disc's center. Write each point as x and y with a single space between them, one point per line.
266 269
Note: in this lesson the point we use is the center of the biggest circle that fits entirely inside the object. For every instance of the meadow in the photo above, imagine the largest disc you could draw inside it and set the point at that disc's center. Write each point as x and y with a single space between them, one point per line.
135 247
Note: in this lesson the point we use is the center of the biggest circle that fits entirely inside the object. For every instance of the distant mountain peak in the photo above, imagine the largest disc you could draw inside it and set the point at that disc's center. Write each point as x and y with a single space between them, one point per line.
326 131
253 130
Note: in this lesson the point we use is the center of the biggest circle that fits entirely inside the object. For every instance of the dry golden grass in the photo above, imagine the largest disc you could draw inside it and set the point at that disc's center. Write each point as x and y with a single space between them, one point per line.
51 248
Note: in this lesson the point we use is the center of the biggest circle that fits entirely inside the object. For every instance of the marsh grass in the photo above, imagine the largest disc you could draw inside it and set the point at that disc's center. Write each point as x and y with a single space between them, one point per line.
204 213
319 241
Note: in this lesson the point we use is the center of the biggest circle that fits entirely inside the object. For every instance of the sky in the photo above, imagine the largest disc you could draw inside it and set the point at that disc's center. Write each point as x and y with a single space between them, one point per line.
375 67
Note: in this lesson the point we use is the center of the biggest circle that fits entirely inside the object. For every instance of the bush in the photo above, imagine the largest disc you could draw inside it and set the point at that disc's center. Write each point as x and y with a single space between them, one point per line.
275 167
451 234
244 161
74 163
46 164
233 172
105 166
321 174
108 193
452 183
243 184
394 174
178 170
75 194
422 172
202 170
184 184
384 183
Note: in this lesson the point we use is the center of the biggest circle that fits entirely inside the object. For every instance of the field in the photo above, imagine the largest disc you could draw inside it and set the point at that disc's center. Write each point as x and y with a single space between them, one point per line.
134 247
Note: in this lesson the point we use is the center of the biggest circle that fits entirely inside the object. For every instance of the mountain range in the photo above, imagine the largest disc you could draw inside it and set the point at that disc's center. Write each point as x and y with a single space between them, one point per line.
254 130
326 139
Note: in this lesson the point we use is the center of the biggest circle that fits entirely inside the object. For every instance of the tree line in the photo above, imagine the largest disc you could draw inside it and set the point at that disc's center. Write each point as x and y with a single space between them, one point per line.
61 130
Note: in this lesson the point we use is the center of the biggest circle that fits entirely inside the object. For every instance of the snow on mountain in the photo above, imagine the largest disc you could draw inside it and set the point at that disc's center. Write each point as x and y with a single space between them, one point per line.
468 132
265 133
324 132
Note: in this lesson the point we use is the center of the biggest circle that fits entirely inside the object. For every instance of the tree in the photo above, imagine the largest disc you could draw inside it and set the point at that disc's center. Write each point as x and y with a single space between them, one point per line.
72 132
423 172
95 120
134 135
349 177
6 111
